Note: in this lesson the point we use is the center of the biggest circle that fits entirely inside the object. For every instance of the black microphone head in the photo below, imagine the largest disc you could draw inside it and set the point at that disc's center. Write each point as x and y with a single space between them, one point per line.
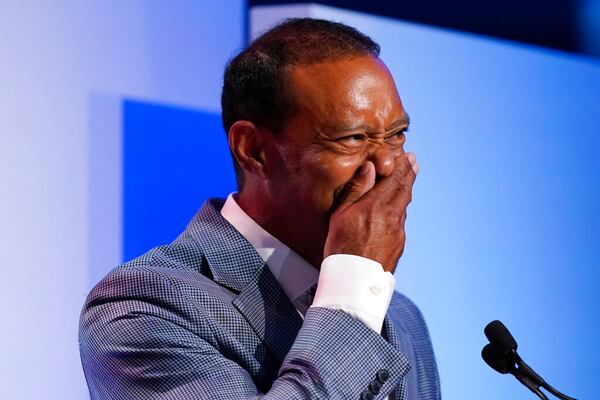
495 358
499 335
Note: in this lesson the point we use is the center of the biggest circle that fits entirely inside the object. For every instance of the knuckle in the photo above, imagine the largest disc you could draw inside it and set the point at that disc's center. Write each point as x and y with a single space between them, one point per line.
398 176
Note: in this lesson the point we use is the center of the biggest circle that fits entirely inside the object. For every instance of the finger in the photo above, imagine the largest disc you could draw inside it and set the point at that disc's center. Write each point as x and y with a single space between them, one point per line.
402 197
386 187
412 159
416 168
403 219
404 165
362 182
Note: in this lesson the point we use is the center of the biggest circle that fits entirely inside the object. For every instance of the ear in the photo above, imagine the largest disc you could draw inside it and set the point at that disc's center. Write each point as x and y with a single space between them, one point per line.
246 142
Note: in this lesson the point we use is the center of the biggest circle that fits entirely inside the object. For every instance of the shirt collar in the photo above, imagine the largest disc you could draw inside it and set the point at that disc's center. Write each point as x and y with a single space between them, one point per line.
294 274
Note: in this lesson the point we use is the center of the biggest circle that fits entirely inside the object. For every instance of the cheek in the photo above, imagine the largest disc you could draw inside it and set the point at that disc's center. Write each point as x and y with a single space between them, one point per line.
344 168
331 177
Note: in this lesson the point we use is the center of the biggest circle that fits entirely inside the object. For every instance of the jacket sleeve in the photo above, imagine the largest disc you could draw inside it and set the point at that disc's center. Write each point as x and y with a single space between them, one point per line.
137 346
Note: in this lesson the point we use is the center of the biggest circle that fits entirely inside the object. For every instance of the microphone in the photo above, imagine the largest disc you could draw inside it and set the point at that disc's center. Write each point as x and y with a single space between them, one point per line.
500 336
495 358
501 355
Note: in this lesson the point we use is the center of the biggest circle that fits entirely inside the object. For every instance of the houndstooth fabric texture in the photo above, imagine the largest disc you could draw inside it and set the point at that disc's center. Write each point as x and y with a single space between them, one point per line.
204 318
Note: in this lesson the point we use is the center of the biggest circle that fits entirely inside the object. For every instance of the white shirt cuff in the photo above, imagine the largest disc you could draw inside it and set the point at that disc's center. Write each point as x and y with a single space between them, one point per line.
356 285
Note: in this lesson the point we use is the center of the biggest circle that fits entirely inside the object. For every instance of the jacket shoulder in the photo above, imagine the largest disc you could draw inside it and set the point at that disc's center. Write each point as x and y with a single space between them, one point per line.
168 262
172 281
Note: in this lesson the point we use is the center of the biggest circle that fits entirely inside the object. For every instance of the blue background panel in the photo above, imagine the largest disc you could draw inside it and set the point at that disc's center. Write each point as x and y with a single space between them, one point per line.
174 159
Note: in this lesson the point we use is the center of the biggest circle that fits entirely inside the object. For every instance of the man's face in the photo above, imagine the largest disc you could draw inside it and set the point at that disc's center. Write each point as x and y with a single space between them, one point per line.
347 112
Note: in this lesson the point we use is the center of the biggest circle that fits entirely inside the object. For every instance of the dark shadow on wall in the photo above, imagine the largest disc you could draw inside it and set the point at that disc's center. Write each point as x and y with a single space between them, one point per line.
551 24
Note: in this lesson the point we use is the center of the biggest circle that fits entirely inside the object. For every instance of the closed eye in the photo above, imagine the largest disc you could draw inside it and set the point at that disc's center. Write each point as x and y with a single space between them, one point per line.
352 138
397 135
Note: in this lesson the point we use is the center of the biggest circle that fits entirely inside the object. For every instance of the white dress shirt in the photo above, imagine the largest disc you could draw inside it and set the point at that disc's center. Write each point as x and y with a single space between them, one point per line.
356 285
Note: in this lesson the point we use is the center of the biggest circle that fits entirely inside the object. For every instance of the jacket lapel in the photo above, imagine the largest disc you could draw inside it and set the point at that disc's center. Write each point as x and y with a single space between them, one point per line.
232 260
236 264
267 309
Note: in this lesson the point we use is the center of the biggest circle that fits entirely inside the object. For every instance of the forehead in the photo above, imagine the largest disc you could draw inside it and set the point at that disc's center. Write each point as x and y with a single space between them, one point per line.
357 90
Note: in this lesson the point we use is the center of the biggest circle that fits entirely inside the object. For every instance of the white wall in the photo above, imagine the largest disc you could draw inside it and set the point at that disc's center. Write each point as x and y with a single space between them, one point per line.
65 64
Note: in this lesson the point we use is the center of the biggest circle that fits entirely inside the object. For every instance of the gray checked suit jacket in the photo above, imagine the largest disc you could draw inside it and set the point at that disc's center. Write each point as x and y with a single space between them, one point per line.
204 318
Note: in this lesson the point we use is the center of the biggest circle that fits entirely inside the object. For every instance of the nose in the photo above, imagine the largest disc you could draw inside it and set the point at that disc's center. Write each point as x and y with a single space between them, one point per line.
383 158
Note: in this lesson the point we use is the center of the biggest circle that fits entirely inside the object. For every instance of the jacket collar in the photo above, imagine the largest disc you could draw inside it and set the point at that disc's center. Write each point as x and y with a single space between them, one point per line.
221 243
261 300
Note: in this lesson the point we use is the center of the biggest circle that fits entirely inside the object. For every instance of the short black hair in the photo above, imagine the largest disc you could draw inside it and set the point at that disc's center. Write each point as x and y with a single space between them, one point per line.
254 83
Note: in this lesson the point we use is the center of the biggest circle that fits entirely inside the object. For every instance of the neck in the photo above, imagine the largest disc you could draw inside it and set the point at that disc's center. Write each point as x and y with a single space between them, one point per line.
299 233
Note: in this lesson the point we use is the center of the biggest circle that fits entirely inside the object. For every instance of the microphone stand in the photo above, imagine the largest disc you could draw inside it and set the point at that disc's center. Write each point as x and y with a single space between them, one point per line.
501 355
525 371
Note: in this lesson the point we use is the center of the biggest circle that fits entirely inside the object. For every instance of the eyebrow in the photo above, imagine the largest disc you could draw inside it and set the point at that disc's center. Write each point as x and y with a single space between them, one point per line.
404 120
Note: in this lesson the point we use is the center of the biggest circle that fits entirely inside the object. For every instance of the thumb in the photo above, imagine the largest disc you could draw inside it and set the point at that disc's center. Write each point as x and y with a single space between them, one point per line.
362 182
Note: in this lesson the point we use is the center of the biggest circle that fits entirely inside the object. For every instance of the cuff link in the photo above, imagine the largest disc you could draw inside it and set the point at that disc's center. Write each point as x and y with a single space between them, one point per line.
375 289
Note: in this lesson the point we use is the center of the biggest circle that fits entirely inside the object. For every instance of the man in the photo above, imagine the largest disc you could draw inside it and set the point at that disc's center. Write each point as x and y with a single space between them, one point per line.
316 129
